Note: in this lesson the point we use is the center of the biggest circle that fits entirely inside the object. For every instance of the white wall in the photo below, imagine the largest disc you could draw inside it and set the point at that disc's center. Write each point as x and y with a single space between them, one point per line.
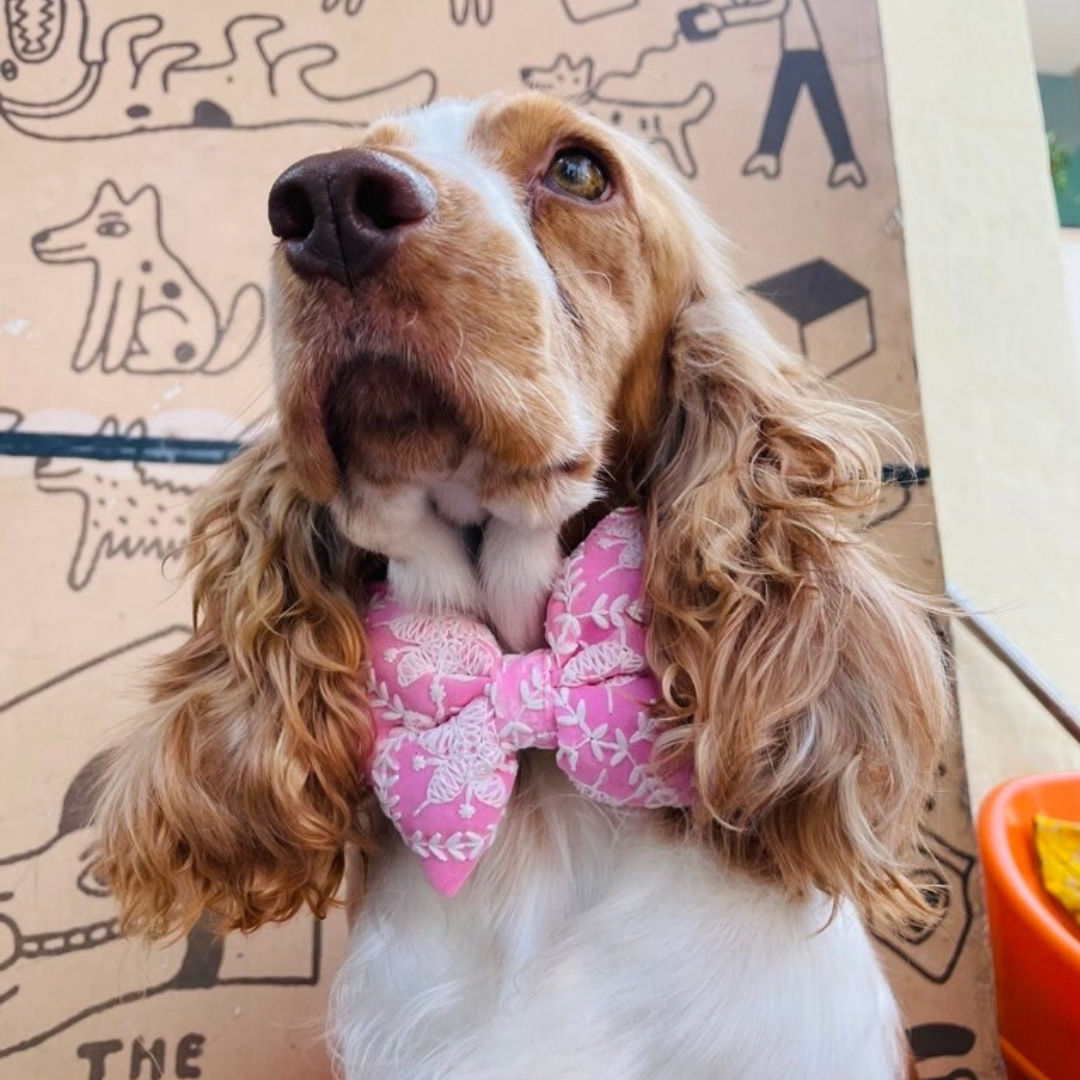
1070 257
997 360
1055 34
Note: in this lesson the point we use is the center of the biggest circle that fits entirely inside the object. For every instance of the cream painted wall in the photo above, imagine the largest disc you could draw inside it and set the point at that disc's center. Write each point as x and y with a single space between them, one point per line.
1070 255
998 368
1055 32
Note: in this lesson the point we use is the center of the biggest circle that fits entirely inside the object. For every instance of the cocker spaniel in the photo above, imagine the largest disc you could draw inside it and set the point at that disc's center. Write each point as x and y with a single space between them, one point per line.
493 324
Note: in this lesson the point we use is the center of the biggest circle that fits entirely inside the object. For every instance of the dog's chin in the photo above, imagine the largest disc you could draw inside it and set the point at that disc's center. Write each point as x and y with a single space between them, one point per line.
387 421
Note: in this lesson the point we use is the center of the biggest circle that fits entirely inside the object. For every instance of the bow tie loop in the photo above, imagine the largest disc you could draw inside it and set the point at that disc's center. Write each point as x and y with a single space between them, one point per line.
451 710
522 696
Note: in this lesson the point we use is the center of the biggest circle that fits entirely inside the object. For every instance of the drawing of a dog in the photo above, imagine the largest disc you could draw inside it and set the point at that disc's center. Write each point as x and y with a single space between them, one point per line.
63 78
665 123
147 312
128 510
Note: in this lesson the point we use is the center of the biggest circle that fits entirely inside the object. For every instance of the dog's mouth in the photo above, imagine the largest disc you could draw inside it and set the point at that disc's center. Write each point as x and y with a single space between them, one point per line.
35 28
388 419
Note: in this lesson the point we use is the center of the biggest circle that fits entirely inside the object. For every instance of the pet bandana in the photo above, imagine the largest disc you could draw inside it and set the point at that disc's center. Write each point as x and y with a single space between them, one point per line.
451 710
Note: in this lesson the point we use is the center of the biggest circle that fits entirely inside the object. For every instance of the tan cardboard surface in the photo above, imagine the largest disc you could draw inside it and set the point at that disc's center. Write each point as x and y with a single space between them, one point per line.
142 136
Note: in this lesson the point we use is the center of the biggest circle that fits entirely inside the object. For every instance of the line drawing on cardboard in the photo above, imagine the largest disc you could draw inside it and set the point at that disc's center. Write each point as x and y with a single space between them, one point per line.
460 10
479 10
929 1041
831 312
350 7
132 487
803 63
62 83
147 313
109 446
136 513
933 947
578 11
900 482
31 948
665 123
583 11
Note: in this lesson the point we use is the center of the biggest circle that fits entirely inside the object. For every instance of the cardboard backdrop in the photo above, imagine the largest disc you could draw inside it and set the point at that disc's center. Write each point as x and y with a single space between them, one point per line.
138 139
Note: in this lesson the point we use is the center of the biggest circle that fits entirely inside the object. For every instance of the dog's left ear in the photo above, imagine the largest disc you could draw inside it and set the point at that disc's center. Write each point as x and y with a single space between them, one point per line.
809 686
237 791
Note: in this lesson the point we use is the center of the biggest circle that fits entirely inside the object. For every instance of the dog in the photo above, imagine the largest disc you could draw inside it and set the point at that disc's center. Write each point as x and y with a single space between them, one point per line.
147 315
493 323
61 79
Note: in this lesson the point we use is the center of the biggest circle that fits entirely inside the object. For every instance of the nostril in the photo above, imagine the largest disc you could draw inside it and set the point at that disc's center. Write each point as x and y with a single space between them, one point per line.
373 201
388 196
292 215
41 237
340 215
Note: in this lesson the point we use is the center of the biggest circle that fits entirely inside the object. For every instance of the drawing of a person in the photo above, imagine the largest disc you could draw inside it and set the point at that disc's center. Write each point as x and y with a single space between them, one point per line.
802 63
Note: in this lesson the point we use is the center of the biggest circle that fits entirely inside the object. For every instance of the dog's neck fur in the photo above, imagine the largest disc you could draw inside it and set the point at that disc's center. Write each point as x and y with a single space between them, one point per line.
590 942
420 528
578 946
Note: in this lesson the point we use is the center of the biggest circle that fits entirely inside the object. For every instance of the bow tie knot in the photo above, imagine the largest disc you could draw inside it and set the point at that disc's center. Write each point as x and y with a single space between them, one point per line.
451 711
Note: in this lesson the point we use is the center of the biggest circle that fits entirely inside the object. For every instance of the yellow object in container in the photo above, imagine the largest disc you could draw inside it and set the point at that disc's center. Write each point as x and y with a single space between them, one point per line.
1058 845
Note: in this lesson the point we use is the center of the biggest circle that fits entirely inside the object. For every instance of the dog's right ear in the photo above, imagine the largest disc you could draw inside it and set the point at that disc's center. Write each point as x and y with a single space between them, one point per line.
237 792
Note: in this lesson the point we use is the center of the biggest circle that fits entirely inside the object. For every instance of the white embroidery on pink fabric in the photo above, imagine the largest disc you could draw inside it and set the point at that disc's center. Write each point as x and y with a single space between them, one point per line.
451 711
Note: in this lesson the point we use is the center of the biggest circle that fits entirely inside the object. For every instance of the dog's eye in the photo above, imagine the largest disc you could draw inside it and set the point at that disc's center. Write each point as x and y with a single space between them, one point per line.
578 173
113 228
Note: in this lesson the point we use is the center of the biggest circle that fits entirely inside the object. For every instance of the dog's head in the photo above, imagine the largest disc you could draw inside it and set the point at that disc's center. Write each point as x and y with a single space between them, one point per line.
487 286
511 295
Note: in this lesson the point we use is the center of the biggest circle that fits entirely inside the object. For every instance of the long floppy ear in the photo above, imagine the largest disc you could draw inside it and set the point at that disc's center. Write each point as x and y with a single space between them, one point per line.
237 791
808 684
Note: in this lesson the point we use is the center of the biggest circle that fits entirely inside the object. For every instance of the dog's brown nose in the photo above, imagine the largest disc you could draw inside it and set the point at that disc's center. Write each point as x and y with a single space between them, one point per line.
341 215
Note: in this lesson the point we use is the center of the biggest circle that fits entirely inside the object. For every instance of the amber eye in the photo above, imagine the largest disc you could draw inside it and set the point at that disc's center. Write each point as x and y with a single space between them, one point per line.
578 173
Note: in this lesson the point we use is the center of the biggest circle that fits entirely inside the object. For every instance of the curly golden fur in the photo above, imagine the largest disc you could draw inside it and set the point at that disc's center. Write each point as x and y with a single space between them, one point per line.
238 791
807 685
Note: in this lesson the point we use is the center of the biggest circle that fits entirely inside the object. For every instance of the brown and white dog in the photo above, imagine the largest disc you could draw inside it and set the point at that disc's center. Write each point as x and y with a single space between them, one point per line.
505 316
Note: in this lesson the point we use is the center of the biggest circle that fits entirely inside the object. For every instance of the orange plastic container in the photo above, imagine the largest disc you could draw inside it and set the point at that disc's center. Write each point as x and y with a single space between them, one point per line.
1036 944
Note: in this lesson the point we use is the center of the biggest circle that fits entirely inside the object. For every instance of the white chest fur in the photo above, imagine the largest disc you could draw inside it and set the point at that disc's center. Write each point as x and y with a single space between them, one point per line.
588 946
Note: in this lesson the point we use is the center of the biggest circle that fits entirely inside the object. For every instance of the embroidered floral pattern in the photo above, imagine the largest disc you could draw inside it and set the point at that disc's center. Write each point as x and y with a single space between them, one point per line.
451 711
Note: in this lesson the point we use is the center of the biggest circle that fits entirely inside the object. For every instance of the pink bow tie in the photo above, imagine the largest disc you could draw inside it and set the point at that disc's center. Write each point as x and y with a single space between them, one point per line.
451 710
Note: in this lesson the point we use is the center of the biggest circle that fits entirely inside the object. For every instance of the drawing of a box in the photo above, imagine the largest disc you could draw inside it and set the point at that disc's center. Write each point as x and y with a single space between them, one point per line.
585 10
828 311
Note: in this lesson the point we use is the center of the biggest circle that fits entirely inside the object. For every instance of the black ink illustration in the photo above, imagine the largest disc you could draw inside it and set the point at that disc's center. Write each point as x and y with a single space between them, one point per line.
900 483
582 11
665 123
35 953
933 948
62 82
480 10
147 313
10 419
137 513
162 1059
930 1041
802 64
111 446
832 313
579 11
